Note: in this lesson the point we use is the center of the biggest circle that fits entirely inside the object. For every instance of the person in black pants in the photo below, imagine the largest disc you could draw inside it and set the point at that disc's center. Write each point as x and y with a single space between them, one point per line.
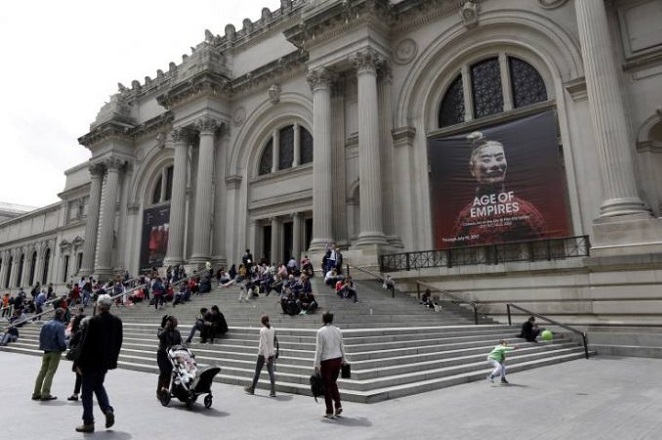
168 336
77 332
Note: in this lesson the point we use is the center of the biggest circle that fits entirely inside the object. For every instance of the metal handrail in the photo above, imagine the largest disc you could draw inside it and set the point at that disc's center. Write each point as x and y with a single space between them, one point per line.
551 321
372 274
457 299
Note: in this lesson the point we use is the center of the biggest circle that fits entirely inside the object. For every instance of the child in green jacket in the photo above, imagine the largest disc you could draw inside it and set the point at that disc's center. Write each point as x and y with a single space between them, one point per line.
497 360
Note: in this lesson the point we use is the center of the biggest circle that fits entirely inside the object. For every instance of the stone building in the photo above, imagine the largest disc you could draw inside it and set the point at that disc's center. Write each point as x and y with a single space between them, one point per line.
317 124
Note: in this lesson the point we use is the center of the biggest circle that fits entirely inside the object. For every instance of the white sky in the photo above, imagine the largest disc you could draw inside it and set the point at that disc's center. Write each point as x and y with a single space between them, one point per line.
62 60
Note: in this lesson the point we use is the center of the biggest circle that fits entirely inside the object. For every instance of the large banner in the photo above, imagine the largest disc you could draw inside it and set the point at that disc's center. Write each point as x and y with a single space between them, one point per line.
505 183
154 243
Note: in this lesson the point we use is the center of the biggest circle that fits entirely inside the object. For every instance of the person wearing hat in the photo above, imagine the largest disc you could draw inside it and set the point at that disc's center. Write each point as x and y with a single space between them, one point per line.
51 341
99 352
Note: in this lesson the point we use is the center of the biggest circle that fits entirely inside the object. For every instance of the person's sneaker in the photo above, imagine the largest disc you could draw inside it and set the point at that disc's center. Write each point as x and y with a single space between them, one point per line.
47 398
272 394
338 412
36 397
110 418
86 427
490 379
329 416
503 380
249 390
72 398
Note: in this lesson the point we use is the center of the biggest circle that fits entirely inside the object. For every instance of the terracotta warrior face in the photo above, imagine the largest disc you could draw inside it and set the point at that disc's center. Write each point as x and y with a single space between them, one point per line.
488 164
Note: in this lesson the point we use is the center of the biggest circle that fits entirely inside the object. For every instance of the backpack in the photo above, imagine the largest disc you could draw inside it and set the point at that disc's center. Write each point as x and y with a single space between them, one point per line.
316 385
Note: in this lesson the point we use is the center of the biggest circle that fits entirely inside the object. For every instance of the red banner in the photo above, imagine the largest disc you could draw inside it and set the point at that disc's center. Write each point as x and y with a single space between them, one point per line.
501 184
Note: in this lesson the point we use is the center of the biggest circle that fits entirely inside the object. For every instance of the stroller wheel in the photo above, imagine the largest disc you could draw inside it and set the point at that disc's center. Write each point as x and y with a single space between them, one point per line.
165 398
208 400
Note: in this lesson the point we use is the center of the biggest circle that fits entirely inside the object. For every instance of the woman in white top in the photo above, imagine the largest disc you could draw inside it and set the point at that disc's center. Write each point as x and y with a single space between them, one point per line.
329 357
266 351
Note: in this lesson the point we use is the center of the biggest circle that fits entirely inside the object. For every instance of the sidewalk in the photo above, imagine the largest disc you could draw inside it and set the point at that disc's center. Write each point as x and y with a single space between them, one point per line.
598 399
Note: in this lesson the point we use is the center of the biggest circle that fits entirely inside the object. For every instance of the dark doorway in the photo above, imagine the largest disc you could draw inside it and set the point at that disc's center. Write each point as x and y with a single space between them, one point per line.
65 273
288 241
266 242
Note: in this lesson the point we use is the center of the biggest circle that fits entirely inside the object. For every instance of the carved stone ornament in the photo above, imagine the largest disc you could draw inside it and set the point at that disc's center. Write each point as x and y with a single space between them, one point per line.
469 14
405 51
320 78
113 164
551 4
208 126
179 135
239 116
274 93
367 60
96 170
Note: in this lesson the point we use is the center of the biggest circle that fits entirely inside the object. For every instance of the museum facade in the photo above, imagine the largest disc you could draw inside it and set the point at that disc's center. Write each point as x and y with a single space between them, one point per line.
347 121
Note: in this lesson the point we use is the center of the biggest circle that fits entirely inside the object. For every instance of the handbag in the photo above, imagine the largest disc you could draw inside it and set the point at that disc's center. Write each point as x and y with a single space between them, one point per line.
72 353
346 371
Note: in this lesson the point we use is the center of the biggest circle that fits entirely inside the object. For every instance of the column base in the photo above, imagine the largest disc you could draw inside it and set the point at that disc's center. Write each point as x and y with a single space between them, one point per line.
371 238
395 241
624 206
219 261
319 244
626 235
199 260
84 272
173 262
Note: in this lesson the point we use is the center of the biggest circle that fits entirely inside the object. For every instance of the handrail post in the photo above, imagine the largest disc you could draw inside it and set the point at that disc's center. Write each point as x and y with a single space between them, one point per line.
475 314
407 260
585 344
348 274
418 290
510 322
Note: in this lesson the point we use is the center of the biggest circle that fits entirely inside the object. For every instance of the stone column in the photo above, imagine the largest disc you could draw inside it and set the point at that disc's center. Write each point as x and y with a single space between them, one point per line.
16 263
39 263
203 195
297 145
370 170
320 83
619 190
92 221
296 235
275 241
275 152
175 252
219 253
104 259
4 269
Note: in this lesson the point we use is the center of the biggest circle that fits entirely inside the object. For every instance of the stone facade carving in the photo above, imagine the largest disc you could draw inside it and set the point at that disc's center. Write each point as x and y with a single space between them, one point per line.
367 59
321 77
207 126
239 116
405 51
274 93
469 14
551 4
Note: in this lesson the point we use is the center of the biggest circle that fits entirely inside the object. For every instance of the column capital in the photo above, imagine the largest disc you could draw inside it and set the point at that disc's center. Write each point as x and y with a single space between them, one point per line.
114 164
97 170
208 125
367 60
180 135
320 78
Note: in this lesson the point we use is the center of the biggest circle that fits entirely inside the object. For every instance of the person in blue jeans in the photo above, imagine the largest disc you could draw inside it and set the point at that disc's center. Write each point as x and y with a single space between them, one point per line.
99 352
497 360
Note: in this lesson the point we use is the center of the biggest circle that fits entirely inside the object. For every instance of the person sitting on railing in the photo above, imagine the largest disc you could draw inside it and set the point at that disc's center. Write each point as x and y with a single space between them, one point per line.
331 277
18 319
530 330
348 290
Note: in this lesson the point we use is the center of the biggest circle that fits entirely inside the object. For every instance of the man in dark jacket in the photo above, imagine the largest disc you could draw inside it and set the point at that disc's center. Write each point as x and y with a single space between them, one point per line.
51 341
99 351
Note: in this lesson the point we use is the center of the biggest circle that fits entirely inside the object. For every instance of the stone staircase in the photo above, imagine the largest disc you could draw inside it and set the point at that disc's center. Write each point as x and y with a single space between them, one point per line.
396 346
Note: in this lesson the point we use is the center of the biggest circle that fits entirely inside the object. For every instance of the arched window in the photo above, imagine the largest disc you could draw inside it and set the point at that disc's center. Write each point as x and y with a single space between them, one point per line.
488 94
163 191
295 147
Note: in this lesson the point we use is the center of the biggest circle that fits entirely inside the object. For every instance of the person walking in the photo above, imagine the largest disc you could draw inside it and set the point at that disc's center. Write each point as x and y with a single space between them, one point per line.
78 328
98 354
497 359
266 352
52 342
329 357
168 336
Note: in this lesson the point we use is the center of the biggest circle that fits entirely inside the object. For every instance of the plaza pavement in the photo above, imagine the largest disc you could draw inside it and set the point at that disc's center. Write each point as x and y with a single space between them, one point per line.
599 399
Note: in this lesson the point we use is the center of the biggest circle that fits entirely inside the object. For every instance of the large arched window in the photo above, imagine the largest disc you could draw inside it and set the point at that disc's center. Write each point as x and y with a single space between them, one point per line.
163 189
490 86
293 147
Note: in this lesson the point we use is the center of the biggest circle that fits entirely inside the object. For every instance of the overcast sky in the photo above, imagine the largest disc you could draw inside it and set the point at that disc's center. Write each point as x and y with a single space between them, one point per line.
62 60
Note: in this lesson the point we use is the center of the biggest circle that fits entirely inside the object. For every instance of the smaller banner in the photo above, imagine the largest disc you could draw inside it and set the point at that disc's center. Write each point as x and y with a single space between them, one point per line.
154 243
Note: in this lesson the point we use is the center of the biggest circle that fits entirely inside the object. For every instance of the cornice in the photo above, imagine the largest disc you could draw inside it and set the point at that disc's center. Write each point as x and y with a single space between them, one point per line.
290 66
325 22
157 124
205 84
108 130
415 13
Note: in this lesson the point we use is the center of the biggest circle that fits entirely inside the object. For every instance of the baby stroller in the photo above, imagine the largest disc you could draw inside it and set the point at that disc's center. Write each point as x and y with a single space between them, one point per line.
188 381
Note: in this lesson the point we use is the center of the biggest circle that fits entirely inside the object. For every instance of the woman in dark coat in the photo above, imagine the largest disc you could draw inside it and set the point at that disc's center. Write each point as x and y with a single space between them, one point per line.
168 336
